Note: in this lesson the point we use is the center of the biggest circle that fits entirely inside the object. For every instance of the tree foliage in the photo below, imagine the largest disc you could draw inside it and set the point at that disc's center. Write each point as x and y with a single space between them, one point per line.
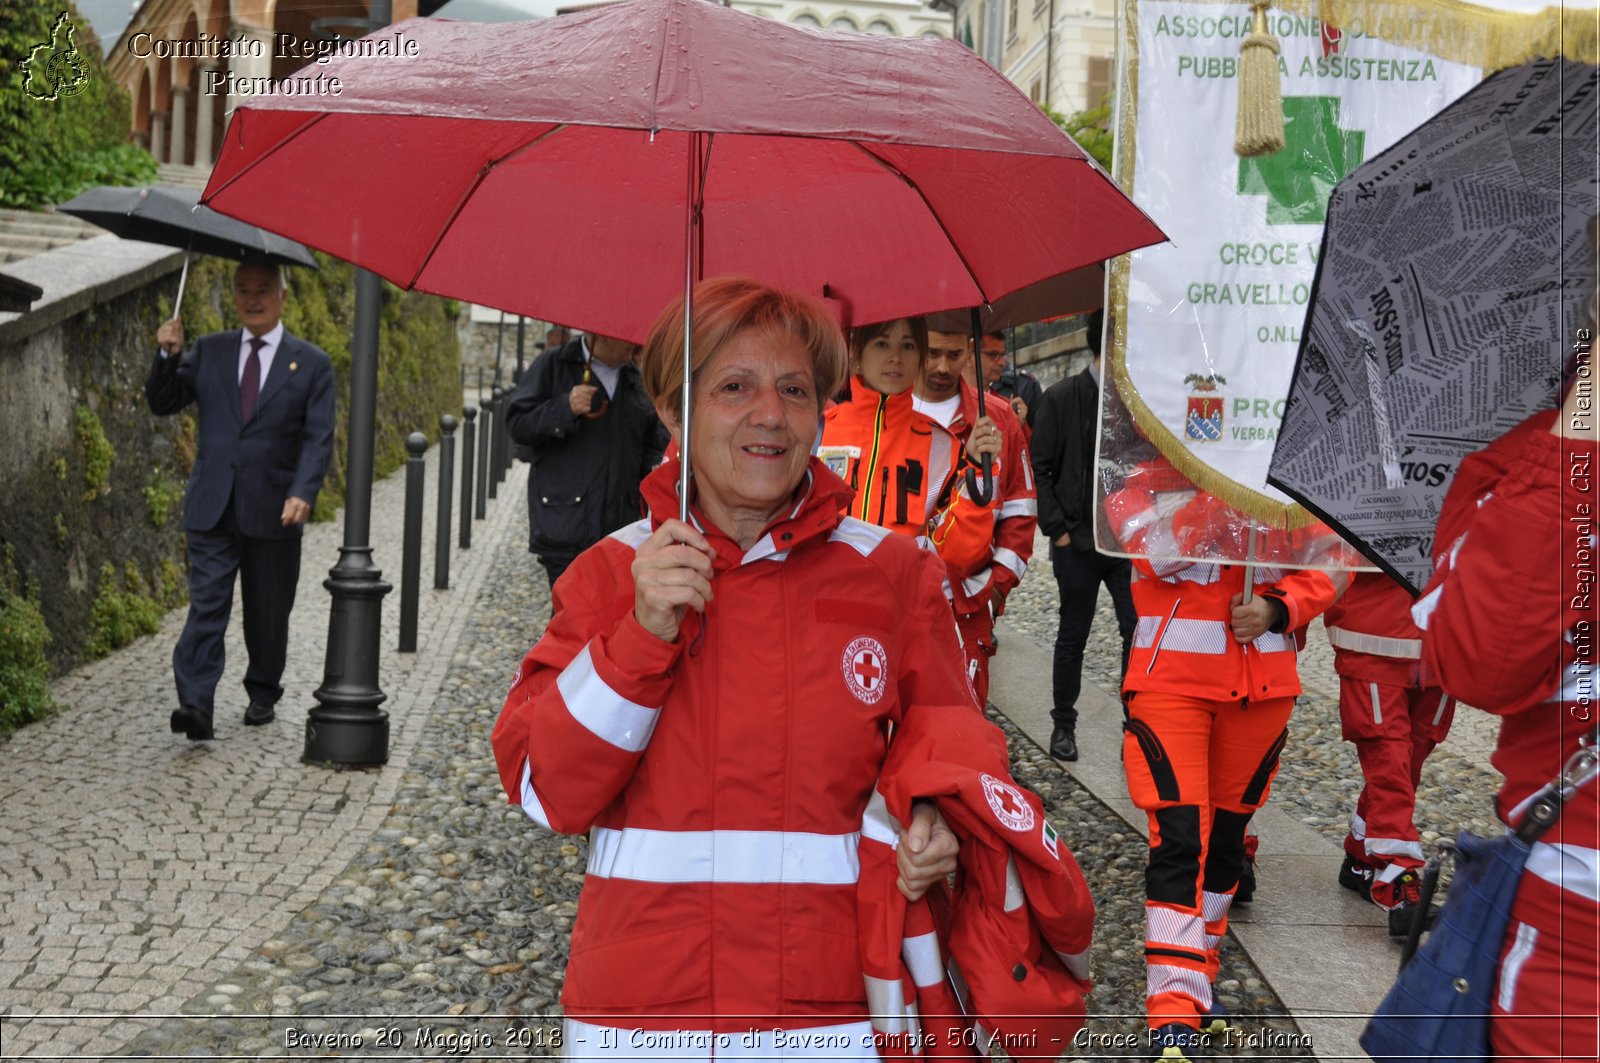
1091 129
53 148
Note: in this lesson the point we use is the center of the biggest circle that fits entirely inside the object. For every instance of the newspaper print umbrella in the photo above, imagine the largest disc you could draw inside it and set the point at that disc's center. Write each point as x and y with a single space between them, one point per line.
1448 293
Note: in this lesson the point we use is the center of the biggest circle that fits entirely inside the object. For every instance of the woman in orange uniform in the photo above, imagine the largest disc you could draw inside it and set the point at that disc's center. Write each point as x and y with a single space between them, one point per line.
903 465
1210 684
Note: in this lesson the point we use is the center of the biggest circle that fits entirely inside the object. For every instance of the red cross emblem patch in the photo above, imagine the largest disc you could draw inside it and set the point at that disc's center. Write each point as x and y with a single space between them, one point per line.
866 669
1007 803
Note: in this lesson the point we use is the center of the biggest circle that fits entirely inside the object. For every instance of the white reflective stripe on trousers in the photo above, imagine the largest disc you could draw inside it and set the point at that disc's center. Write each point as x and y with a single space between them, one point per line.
849 1040
725 856
605 713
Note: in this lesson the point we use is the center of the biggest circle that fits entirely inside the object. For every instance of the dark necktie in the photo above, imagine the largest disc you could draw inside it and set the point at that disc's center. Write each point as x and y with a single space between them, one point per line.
250 383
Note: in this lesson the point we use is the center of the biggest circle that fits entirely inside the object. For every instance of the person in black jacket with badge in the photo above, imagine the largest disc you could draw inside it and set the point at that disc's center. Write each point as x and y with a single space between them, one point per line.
1063 468
592 435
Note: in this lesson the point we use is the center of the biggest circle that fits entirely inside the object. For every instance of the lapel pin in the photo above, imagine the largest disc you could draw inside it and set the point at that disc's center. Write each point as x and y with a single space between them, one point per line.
293 366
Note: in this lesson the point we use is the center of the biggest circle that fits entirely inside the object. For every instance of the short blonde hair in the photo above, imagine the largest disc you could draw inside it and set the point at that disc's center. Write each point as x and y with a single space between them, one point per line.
724 307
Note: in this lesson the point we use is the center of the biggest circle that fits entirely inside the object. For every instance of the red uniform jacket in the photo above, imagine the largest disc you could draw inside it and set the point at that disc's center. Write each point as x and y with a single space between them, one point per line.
1019 923
1373 636
724 776
1509 618
1016 509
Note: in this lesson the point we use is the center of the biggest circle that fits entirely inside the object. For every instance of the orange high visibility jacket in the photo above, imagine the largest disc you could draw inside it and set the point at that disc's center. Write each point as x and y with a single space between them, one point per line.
1182 643
902 466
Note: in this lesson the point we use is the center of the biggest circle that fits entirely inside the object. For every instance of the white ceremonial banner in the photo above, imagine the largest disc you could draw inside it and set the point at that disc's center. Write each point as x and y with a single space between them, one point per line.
1208 326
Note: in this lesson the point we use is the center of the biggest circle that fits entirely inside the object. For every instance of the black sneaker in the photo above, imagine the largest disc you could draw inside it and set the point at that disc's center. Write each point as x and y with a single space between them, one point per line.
1246 890
1408 909
1175 1043
1217 1020
1356 875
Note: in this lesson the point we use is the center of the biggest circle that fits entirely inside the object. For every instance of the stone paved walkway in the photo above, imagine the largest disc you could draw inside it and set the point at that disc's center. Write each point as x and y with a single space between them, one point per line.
135 860
139 869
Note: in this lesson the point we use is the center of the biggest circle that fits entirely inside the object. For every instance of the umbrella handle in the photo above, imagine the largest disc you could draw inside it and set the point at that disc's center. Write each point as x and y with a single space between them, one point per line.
183 280
981 489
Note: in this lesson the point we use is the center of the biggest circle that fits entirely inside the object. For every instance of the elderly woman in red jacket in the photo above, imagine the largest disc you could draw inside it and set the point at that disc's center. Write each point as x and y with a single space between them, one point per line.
712 702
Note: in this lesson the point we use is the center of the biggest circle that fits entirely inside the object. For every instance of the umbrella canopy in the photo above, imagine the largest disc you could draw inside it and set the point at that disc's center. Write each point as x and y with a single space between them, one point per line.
546 167
1077 292
174 217
1448 293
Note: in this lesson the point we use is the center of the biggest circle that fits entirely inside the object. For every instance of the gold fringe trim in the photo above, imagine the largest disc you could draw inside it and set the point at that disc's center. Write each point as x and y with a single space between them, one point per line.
1460 31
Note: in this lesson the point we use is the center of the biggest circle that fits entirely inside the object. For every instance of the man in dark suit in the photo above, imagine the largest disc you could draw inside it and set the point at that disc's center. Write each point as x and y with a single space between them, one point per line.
1063 469
266 432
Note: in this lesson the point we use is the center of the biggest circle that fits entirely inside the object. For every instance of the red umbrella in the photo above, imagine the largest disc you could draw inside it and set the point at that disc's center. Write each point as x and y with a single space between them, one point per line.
542 167
555 168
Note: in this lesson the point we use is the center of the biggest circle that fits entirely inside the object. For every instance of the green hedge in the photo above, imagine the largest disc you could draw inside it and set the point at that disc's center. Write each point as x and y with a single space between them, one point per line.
52 149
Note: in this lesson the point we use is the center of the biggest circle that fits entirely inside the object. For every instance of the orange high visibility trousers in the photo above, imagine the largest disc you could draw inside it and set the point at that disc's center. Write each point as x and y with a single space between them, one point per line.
1199 768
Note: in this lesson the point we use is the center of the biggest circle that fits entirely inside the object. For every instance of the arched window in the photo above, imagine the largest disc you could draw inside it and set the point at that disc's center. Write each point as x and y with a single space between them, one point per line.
935 34
807 20
843 22
879 25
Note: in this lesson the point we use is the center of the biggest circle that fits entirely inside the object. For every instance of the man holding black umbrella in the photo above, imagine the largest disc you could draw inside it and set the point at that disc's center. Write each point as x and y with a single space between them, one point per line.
266 433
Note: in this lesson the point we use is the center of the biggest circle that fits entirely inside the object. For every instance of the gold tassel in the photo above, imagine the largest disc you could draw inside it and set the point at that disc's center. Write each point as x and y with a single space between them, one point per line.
1259 130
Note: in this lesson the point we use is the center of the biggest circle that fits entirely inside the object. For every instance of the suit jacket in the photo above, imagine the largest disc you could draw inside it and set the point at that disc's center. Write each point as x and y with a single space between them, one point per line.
283 451
1063 458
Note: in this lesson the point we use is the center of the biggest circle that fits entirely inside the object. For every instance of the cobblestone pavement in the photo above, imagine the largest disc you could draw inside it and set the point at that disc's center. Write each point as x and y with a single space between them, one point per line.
138 864
169 899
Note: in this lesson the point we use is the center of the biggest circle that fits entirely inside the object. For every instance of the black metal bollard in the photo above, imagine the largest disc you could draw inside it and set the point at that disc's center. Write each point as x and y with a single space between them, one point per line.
497 441
468 449
411 541
481 490
441 527
508 448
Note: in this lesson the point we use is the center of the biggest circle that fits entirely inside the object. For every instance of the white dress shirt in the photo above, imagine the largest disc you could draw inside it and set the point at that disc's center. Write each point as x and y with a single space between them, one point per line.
268 349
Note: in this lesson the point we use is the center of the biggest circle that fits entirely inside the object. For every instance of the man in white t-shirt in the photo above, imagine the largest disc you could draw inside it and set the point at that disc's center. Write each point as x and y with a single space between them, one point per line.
943 393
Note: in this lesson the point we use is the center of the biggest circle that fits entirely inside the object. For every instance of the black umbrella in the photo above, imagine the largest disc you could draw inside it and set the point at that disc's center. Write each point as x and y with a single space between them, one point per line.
174 217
